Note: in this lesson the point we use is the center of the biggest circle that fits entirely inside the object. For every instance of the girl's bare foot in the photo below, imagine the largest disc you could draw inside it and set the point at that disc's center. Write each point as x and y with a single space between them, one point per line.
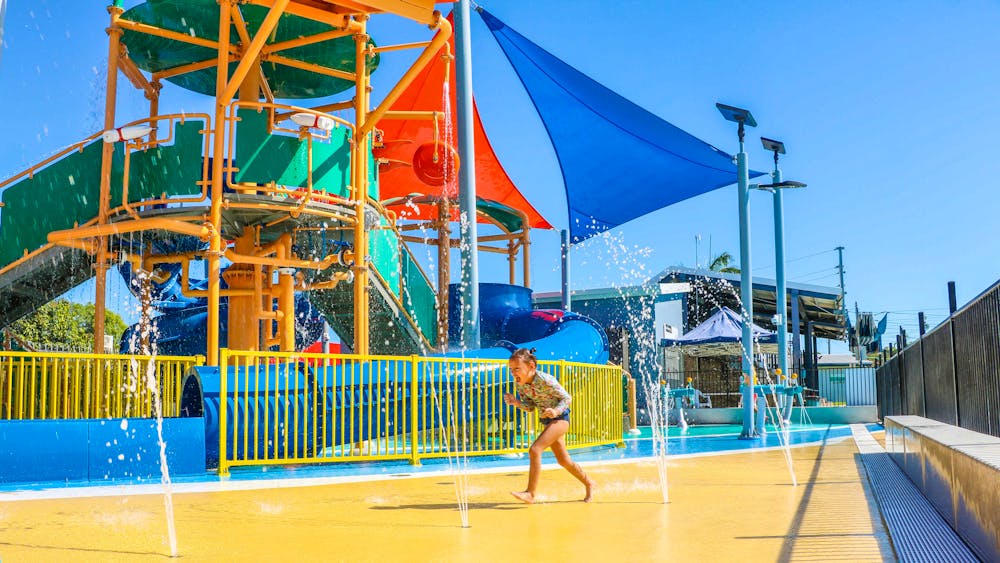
590 486
525 497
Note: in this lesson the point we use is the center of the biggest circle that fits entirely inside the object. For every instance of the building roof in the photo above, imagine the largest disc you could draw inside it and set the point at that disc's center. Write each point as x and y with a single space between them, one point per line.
822 305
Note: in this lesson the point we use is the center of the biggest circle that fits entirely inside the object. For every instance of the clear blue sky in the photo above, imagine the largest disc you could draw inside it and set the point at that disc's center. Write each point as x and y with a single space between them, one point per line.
886 110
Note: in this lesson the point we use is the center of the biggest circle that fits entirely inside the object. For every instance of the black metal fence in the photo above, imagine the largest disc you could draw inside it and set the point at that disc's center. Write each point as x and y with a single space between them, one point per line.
952 374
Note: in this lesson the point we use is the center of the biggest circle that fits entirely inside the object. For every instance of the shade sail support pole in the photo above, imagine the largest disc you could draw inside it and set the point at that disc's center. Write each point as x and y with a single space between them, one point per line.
467 179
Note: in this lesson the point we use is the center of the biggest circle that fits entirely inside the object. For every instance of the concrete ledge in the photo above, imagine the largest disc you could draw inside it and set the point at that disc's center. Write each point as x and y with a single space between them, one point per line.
34 451
958 470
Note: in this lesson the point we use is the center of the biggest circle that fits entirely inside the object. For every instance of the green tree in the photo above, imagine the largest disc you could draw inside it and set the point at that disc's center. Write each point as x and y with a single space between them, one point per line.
721 263
62 323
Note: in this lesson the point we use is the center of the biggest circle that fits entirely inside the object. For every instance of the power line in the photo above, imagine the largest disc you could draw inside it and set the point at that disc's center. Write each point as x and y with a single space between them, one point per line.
798 259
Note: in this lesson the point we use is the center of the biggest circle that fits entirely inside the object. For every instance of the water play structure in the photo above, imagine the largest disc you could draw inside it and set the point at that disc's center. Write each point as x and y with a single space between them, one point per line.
246 231
297 208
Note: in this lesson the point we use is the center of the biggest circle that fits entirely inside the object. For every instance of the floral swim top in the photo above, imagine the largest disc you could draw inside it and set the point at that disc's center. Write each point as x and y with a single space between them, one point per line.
544 392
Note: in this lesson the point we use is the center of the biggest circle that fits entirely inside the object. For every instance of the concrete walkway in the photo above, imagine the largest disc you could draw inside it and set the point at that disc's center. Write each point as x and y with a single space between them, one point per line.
728 507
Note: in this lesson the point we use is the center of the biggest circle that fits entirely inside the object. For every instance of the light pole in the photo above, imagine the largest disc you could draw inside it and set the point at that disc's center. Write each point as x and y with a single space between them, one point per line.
781 291
742 118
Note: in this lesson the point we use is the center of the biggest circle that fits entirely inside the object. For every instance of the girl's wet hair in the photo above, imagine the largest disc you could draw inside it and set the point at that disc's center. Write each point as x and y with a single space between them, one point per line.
525 355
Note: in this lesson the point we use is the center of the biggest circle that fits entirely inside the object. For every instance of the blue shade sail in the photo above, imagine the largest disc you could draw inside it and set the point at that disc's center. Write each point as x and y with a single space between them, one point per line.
619 161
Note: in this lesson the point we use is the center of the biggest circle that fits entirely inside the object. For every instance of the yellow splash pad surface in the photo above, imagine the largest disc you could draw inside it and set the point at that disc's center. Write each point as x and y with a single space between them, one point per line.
722 508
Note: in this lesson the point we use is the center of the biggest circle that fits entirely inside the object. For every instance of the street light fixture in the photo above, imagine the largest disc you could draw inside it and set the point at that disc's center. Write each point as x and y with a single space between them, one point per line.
739 115
743 118
781 290
784 185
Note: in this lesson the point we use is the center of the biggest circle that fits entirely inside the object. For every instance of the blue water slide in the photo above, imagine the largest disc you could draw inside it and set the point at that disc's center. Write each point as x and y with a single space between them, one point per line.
507 322
180 326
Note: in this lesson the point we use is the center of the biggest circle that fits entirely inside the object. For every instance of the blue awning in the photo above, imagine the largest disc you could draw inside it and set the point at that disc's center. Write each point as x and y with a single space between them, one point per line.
619 161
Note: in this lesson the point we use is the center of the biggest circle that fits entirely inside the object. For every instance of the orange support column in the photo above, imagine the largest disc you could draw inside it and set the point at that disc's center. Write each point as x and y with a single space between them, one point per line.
244 323
359 181
444 270
114 47
286 297
218 153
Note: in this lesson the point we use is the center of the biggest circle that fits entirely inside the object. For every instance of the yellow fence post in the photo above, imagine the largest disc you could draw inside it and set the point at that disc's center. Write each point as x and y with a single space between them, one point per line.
414 454
223 380
632 411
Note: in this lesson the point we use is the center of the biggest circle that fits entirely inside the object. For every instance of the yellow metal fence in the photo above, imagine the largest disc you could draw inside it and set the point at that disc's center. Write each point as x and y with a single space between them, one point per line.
61 385
284 408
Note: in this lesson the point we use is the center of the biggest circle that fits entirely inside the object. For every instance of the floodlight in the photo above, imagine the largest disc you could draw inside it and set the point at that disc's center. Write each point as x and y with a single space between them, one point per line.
781 185
772 145
738 115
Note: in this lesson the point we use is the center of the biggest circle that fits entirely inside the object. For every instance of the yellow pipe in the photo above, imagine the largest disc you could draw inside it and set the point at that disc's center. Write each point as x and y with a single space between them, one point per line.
166 33
268 94
332 283
511 263
203 231
252 51
282 262
241 26
526 258
279 117
413 115
322 15
439 40
318 38
154 107
400 47
88 247
190 67
135 76
218 151
286 297
318 69
444 271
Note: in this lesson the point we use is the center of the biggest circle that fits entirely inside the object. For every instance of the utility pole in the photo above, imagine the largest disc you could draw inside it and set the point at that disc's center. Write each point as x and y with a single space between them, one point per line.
843 294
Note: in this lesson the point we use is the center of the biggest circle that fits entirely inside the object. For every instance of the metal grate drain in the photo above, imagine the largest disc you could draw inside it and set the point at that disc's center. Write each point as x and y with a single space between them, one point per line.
917 531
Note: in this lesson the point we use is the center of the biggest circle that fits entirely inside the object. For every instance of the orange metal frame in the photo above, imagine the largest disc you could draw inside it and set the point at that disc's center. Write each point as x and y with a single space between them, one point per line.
350 18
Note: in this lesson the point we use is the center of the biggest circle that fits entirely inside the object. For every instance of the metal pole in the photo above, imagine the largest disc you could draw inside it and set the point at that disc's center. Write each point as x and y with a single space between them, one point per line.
796 335
746 289
566 300
952 299
467 178
781 302
857 335
807 363
920 324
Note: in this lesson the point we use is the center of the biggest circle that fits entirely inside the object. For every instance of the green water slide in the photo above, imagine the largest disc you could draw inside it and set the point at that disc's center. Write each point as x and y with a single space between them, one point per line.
66 194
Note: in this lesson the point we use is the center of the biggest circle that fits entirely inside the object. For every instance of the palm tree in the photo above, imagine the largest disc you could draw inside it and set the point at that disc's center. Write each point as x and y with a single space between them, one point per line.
721 264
